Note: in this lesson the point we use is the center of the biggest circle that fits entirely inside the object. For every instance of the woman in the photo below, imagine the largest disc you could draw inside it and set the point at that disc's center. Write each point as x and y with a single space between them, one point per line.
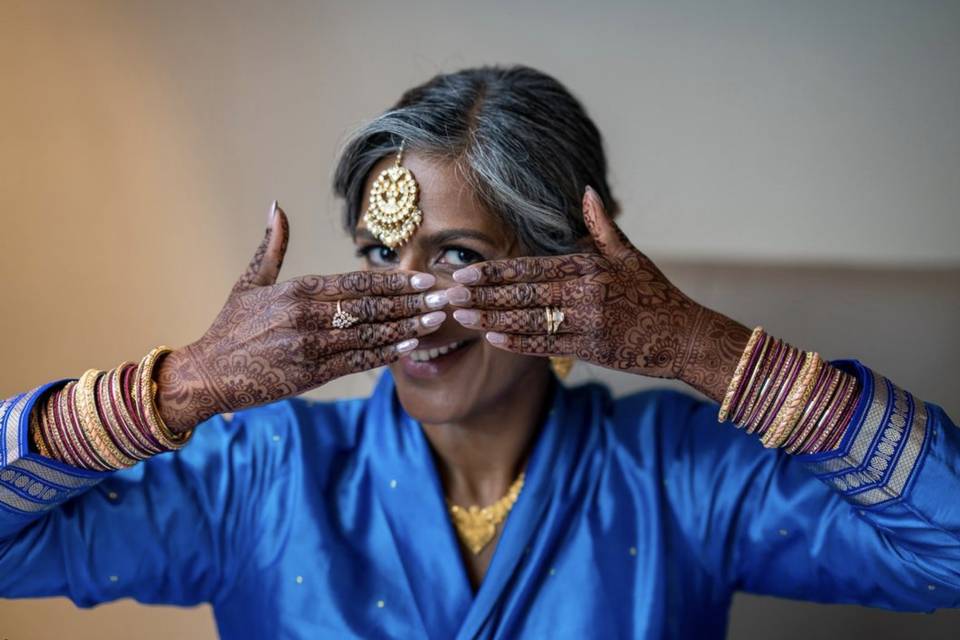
481 207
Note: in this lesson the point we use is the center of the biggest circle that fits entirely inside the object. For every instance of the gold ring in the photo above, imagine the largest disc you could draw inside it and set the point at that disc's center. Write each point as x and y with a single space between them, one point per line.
342 319
554 318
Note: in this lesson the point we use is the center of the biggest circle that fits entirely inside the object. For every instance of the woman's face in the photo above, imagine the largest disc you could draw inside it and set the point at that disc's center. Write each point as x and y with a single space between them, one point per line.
456 231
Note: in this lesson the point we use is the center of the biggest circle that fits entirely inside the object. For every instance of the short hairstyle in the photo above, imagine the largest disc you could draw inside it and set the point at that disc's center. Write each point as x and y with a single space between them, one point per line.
523 142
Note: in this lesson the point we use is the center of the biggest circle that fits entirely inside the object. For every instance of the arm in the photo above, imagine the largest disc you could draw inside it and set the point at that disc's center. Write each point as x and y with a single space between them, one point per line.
881 529
30 484
167 529
887 534
164 531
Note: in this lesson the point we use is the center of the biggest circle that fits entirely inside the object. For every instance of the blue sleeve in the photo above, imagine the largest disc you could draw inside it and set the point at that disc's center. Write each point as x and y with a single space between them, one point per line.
875 522
168 530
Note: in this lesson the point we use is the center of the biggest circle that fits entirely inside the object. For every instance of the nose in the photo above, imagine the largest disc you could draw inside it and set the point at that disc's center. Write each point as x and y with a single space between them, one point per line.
412 258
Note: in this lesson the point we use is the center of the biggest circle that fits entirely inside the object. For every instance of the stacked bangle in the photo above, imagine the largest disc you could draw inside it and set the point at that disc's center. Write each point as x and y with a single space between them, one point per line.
789 398
106 420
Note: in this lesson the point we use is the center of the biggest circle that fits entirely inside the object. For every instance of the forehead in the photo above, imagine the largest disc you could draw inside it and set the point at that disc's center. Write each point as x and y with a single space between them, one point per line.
446 198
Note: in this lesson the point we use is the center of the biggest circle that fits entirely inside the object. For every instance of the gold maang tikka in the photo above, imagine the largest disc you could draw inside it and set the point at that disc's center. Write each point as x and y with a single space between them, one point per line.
392 212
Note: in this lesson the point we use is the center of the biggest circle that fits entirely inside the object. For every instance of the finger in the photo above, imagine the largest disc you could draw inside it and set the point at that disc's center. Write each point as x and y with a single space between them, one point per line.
357 284
264 267
358 360
364 336
509 296
382 308
608 237
531 321
528 269
543 345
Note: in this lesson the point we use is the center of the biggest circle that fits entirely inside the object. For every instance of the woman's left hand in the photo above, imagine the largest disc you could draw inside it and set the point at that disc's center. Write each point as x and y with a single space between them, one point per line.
619 310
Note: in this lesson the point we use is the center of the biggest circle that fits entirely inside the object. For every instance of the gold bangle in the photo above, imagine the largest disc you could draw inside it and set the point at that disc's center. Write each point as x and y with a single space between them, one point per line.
808 420
738 373
750 390
93 427
851 385
848 384
786 418
772 385
72 430
33 423
144 392
777 390
53 431
118 396
121 435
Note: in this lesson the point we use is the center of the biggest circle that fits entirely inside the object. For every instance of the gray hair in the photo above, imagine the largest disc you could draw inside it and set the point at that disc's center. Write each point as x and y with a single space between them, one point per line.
519 137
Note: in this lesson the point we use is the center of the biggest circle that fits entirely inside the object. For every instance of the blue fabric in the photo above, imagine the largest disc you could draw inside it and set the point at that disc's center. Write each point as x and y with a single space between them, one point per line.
639 518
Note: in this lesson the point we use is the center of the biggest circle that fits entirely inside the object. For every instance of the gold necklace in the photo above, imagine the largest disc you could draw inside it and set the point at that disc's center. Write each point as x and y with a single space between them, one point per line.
477 526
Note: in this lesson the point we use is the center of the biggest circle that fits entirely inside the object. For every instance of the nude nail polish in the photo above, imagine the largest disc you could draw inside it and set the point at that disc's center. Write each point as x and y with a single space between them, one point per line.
458 295
433 319
422 281
407 345
435 299
467 275
466 316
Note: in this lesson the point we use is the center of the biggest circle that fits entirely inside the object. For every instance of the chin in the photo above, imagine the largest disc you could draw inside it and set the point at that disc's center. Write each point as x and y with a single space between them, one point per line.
457 378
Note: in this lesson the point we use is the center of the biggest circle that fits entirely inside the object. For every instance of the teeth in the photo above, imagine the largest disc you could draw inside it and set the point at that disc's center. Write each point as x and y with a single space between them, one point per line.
422 355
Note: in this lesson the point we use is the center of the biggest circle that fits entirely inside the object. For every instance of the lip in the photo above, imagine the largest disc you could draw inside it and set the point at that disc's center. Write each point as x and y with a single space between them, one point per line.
432 369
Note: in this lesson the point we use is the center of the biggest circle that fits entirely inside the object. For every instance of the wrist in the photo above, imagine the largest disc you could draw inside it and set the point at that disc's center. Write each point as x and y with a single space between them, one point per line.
178 390
716 343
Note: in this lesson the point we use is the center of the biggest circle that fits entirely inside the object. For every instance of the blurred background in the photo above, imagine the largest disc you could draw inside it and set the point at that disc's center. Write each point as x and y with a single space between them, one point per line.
795 165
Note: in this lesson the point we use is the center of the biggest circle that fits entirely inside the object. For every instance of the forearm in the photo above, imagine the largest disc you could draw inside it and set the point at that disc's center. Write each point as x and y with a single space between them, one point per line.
182 399
714 348
104 421
789 398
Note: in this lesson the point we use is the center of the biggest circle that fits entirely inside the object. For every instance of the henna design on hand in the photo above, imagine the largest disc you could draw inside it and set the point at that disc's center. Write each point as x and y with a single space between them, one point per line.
620 311
274 340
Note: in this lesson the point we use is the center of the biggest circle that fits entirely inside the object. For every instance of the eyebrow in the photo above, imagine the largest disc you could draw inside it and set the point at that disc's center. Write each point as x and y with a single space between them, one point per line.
440 237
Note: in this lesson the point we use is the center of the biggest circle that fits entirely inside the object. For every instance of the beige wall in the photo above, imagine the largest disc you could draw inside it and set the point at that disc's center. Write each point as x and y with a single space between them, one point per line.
797 166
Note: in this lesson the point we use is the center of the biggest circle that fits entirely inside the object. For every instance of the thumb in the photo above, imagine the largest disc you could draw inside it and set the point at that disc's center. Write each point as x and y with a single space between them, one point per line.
608 237
264 268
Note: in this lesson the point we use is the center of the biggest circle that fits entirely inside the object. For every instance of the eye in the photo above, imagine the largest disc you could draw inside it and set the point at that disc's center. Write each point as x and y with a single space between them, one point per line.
460 256
377 255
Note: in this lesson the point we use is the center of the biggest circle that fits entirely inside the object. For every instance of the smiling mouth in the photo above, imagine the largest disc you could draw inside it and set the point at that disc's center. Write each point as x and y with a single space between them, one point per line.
425 355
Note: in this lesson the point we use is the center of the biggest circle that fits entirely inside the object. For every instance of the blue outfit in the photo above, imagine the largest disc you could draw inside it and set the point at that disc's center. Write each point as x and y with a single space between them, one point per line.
640 517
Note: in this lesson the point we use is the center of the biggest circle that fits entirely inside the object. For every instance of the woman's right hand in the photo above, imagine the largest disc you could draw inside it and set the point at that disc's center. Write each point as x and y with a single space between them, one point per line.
274 340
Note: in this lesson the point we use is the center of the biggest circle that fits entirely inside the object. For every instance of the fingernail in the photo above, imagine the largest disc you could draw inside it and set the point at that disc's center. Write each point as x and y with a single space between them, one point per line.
496 338
467 276
435 299
466 316
272 213
407 345
433 319
422 281
590 196
458 295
